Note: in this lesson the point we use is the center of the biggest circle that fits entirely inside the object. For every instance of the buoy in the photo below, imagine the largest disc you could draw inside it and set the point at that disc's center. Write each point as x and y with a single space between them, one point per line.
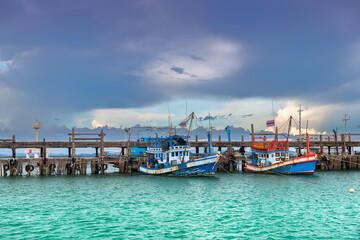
352 190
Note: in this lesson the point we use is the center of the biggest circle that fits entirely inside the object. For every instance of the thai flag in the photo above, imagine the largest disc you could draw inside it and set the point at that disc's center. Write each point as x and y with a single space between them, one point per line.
270 123
182 124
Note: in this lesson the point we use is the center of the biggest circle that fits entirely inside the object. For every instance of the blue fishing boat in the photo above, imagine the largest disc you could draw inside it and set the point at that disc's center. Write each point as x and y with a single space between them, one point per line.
171 156
273 157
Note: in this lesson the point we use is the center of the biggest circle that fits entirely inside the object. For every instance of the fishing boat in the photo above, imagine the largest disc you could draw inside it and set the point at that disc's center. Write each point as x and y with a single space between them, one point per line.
171 156
272 156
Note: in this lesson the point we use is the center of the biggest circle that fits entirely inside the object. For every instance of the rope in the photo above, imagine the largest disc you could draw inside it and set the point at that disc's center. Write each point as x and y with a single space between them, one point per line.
342 159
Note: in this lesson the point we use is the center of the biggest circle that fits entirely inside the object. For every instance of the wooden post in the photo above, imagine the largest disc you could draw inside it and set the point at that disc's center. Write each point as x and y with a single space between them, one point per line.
242 138
196 138
93 170
321 144
59 167
97 152
11 168
73 143
102 151
343 152
219 138
13 148
83 167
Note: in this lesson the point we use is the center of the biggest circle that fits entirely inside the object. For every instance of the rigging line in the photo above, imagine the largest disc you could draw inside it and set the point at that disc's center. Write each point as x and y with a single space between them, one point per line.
284 126
297 125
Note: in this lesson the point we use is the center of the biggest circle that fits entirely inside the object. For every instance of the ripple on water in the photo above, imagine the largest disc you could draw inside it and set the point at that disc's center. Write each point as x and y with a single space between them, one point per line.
137 206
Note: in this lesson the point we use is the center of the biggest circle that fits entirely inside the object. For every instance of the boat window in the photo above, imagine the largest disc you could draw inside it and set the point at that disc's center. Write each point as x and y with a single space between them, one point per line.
267 155
272 155
177 153
172 154
277 154
282 154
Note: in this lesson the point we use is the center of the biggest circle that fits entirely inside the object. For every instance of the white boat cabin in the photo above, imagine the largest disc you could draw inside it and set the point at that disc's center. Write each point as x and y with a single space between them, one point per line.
268 158
174 155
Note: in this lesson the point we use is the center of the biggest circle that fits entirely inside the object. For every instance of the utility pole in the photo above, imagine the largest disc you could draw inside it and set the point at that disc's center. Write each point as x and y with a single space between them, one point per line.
346 120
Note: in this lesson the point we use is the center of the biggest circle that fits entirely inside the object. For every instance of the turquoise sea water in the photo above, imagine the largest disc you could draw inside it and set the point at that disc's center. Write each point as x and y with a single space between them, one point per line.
228 206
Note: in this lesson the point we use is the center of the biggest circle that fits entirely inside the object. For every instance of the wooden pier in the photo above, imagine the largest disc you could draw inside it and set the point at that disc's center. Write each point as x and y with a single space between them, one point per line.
334 155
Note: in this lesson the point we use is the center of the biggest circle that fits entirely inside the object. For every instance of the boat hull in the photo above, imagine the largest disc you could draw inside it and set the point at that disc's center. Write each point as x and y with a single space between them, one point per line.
304 165
201 167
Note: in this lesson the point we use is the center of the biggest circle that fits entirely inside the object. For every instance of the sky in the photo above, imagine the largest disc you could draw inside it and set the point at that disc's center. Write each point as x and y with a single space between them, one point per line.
121 63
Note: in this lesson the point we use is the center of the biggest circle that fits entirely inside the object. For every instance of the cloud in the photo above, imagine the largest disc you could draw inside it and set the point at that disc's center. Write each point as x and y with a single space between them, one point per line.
16 60
4 66
181 71
11 114
216 117
126 117
198 59
354 57
316 115
247 115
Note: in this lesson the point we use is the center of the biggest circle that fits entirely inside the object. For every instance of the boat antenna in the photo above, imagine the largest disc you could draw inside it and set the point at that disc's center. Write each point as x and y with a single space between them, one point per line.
190 117
272 103
169 122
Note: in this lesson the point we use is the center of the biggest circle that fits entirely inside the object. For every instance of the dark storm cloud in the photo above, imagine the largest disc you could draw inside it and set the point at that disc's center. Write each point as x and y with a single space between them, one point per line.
181 71
178 70
247 115
196 57
76 64
216 117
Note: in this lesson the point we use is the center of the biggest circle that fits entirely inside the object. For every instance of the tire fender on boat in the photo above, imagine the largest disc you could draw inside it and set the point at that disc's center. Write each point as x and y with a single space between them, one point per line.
105 166
13 162
6 167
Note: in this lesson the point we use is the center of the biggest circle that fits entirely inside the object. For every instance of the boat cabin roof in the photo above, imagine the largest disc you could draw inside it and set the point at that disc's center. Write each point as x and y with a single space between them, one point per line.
263 145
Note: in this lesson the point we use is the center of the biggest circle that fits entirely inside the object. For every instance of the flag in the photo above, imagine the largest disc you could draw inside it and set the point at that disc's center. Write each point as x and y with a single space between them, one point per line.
182 124
270 123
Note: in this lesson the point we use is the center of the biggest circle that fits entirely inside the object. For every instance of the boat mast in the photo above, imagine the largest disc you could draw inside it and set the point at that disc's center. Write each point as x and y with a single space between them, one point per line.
170 123
300 110
287 139
346 120
209 138
272 103
191 117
